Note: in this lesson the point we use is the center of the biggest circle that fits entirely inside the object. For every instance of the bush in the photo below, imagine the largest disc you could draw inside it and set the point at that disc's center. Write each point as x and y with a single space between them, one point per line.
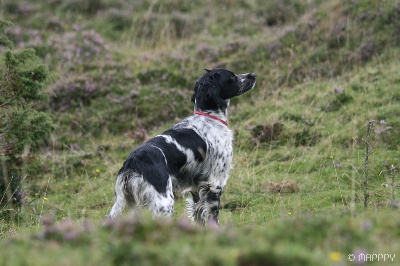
22 128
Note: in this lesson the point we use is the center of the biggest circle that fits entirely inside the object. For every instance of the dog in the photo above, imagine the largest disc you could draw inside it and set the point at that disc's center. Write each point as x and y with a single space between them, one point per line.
193 156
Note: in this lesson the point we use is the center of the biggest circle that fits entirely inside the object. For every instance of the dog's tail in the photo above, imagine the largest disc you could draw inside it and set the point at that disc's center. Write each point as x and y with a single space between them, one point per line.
119 195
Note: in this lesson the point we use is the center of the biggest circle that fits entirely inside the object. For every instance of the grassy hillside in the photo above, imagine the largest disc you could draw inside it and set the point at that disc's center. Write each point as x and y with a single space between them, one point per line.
123 71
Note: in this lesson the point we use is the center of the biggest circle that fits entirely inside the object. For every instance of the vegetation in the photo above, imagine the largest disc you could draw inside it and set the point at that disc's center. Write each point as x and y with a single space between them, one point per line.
22 128
315 141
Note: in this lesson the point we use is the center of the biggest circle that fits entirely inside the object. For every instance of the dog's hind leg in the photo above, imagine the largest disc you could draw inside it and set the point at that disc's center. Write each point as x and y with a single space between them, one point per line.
162 204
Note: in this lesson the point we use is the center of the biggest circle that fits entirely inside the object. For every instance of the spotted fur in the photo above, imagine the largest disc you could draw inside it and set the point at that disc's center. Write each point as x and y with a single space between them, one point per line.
193 157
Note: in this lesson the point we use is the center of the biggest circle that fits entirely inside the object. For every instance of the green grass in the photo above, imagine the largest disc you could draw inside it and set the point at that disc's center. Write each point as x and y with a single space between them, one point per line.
324 69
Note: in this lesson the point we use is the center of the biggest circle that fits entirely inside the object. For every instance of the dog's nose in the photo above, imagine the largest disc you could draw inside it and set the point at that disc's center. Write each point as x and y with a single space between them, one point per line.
251 76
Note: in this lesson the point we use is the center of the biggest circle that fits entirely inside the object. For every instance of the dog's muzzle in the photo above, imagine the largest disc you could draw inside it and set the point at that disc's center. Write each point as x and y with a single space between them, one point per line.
246 82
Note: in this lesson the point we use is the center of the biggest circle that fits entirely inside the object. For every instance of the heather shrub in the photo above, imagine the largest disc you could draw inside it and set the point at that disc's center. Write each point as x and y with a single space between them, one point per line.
119 20
268 133
78 50
336 99
17 8
175 25
26 38
388 132
86 67
71 93
276 13
145 241
89 7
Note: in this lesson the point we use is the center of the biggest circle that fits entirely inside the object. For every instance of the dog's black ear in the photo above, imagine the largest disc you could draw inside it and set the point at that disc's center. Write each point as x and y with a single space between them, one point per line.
195 90
207 93
207 70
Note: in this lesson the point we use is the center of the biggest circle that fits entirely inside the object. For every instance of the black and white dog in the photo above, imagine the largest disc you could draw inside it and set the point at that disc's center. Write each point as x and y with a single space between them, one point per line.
194 156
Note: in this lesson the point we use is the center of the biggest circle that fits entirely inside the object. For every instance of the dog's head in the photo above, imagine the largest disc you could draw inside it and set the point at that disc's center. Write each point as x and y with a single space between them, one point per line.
213 90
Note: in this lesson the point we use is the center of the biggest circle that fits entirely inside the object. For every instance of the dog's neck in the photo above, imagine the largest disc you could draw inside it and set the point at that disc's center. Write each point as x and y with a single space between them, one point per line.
212 117
220 114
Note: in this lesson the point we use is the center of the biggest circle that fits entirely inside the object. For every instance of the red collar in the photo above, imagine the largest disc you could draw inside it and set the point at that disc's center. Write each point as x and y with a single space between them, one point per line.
211 116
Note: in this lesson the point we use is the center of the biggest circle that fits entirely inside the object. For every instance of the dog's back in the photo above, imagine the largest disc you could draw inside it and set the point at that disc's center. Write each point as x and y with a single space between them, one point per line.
179 159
